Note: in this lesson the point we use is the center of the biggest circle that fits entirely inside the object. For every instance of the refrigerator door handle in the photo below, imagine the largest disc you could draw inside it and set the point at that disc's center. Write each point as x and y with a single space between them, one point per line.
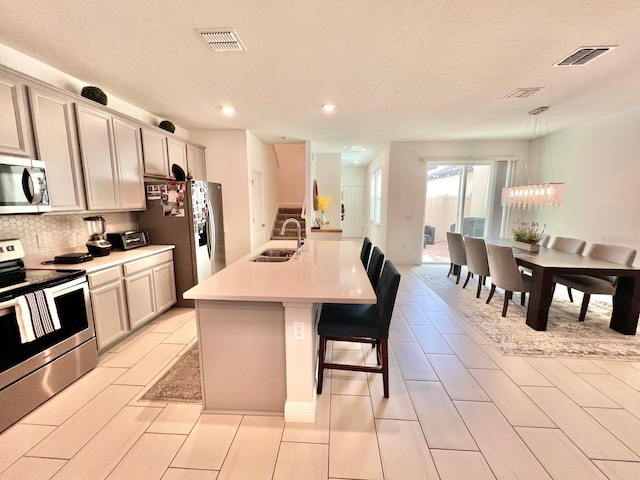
211 230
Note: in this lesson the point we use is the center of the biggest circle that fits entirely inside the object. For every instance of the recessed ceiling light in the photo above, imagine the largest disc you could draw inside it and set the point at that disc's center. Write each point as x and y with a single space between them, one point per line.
228 110
328 107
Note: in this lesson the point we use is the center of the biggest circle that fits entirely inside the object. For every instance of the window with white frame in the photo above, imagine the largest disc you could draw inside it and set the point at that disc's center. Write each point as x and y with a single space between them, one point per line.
375 196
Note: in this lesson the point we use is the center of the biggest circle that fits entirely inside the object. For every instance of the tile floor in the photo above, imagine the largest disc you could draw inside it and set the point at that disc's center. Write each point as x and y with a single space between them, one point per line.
458 410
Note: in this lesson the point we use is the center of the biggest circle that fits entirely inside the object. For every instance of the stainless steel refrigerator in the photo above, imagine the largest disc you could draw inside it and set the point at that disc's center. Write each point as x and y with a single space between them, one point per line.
188 215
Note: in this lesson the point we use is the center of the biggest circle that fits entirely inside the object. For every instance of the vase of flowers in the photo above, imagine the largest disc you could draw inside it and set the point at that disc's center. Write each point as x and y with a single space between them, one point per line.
527 235
323 204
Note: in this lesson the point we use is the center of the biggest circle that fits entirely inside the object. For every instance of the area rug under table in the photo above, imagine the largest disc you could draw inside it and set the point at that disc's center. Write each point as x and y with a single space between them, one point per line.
181 383
565 336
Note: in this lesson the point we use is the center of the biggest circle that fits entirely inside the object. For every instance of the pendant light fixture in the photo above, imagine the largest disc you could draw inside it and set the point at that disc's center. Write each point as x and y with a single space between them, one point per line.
541 195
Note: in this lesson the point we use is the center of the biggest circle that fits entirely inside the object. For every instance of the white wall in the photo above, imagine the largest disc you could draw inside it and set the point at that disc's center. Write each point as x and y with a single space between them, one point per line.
328 166
599 162
29 66
262 159
354 176
407 186
228 164
291 172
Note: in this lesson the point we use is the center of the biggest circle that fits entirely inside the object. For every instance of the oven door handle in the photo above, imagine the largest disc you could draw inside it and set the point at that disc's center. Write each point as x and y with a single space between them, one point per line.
31 186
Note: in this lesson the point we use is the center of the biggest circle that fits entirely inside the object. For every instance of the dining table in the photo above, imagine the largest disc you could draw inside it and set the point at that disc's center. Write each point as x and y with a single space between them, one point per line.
548 263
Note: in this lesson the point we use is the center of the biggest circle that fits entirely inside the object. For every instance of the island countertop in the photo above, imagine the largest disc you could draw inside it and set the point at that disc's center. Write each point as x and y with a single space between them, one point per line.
327 271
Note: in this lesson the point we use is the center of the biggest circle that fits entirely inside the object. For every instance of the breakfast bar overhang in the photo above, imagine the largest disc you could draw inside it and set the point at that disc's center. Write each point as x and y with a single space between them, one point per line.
257 326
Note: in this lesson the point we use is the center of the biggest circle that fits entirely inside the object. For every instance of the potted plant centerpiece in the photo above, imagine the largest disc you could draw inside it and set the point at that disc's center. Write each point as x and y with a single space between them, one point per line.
527 235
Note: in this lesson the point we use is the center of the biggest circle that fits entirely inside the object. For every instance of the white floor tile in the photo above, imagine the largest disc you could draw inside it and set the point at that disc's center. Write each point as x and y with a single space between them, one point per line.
132 354
146 369
399 331
189 474
440 421
456 379
33 469
302 460
618 391
414 315
148 458
430 339
469 353
581 365
591 437
558 454
317 432
412 362
185 334
100 456
398 406
170 321
208 443
460 465
404 451
444 323
353 451
254 450
619 470
18 440
177 418
517 369
622 371
503 449
624 426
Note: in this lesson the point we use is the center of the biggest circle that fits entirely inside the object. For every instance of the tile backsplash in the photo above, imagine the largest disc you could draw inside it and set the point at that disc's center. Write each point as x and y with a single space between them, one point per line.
42 233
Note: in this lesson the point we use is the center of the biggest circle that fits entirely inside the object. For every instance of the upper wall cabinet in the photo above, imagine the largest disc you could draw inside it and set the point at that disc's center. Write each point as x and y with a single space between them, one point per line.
111 156
154 146
15 136
177 151
56 141
196 162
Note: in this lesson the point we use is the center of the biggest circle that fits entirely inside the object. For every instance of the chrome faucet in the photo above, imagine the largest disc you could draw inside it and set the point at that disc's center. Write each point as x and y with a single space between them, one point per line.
284 225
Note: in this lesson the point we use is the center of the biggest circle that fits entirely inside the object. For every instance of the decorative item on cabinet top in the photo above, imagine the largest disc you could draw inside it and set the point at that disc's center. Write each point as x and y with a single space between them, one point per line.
95 94
167 125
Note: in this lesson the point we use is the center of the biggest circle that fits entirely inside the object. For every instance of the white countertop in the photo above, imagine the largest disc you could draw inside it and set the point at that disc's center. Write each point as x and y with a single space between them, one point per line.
327 271
98 263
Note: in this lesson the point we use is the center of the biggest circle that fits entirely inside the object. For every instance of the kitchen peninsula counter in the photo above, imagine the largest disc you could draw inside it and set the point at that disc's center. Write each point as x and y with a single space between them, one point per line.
248 315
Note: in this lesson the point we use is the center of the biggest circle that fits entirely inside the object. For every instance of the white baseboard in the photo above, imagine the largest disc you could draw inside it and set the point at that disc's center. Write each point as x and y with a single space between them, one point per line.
301 412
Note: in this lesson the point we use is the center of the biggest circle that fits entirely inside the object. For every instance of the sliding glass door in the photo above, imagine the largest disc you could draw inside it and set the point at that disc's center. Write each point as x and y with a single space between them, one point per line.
460 198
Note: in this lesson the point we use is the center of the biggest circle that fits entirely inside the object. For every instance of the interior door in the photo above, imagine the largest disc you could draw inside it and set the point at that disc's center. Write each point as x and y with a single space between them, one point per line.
353 200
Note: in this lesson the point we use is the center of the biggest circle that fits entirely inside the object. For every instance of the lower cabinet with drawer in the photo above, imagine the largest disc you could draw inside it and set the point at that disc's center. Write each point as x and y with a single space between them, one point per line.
127 296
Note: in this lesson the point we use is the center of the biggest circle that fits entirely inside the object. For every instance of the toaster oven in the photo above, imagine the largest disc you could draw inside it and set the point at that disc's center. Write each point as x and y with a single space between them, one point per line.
128 240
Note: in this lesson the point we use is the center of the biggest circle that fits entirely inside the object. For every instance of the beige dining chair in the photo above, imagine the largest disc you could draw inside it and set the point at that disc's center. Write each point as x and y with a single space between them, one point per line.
544 240
568 245
589 285
506 275
457 254
477 262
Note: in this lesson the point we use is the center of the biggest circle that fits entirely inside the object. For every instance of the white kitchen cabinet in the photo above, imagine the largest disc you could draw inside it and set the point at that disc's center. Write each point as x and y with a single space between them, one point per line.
98 158
164 286
151 287
154 149
125 297
56 141
177 152
196 162
128 149
142 304
112 161
108 303
15 135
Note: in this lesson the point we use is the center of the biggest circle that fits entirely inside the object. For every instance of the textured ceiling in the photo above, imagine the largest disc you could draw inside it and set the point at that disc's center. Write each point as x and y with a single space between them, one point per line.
397 70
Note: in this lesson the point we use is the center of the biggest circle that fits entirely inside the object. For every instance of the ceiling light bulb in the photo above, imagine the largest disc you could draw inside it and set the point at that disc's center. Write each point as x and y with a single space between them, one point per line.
328 107
228 110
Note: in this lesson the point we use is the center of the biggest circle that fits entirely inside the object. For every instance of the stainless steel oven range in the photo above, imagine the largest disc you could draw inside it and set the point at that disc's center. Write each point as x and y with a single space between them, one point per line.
47 338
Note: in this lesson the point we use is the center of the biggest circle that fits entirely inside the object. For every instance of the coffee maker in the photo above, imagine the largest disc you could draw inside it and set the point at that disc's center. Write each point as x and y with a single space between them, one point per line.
97 245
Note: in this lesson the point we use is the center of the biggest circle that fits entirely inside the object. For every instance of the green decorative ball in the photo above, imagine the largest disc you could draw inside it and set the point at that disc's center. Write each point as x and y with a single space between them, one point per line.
95 94
168 126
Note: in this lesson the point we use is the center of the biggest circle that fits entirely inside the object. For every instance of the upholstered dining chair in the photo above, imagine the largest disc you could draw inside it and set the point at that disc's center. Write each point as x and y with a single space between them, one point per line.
457 254
375 266
366 250
569 245
477 262
544 241
506 275
597 285
361 323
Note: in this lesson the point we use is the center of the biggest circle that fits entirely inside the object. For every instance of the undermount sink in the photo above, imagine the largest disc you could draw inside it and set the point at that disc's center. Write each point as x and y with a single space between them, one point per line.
274 255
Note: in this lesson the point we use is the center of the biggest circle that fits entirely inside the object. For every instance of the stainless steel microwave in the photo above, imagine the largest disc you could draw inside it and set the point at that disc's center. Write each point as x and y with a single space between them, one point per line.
23 186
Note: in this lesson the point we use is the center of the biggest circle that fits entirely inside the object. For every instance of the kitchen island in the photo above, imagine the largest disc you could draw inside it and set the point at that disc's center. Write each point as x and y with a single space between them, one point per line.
257 326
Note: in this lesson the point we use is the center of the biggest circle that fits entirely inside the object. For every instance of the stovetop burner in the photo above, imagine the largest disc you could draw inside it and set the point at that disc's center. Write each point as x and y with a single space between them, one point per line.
15 280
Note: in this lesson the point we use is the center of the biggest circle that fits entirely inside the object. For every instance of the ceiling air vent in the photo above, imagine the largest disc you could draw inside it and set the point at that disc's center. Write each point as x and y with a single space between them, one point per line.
222 40
583 55
523 92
